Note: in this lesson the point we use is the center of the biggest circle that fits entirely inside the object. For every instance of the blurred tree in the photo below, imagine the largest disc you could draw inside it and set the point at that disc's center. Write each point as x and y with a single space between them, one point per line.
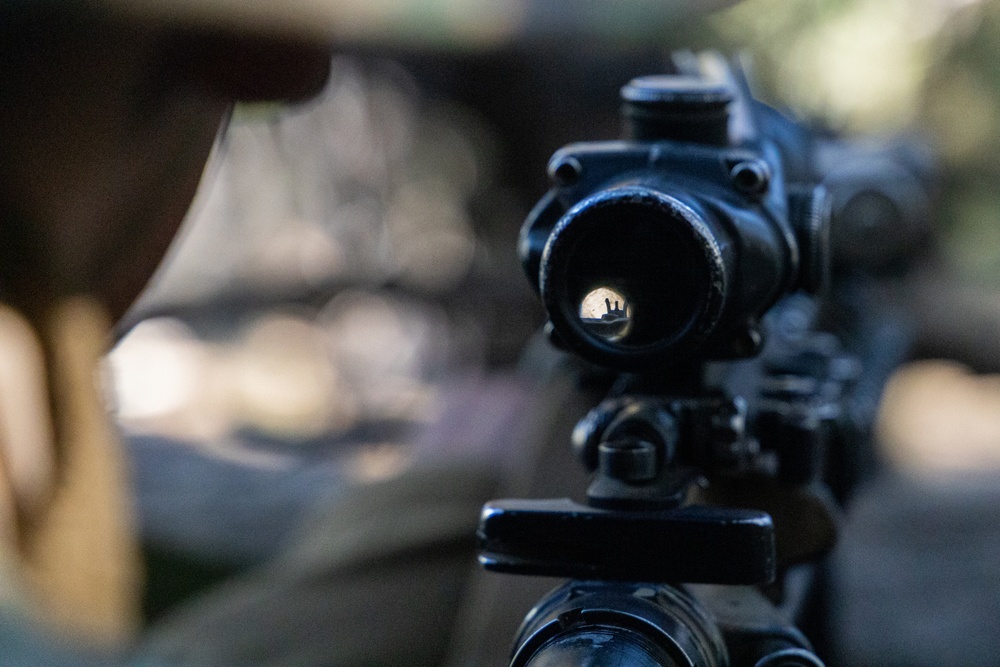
960 102
868 67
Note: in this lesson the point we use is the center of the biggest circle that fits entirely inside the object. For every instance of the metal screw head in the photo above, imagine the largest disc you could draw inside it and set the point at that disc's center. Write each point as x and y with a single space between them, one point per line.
630 460
751 177
566 171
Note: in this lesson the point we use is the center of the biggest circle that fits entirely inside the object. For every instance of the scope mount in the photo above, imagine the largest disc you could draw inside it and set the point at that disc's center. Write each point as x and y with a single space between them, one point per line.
634 526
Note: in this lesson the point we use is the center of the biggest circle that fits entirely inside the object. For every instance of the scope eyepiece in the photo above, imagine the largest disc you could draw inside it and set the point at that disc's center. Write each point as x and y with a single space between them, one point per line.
673 244
630 275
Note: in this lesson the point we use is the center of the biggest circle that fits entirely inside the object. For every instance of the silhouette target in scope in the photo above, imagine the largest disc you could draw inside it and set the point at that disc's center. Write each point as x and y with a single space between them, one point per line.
606 313
630 274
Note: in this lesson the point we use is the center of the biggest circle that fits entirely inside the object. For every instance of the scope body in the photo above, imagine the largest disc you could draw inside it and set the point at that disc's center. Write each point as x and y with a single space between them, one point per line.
694 237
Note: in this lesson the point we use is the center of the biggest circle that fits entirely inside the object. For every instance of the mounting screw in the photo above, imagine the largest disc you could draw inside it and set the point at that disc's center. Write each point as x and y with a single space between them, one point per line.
566 171
626 438
629 460
751 177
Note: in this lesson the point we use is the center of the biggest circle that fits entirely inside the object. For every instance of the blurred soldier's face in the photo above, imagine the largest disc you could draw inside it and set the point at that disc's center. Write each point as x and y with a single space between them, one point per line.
105 130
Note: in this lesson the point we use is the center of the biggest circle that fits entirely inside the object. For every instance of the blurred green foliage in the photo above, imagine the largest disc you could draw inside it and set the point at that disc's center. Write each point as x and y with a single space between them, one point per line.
859 64
877 67
961 109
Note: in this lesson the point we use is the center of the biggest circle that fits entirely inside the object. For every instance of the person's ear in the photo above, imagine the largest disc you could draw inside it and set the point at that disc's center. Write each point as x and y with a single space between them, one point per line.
249 68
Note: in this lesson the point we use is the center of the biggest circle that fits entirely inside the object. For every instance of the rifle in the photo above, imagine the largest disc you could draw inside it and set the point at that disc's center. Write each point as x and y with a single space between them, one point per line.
709 270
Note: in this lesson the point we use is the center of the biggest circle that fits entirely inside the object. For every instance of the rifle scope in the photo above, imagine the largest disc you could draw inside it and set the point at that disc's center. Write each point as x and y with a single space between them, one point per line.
675 241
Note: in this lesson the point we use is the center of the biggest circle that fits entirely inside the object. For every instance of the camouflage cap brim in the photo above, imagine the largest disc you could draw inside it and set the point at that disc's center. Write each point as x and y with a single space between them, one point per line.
444 23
